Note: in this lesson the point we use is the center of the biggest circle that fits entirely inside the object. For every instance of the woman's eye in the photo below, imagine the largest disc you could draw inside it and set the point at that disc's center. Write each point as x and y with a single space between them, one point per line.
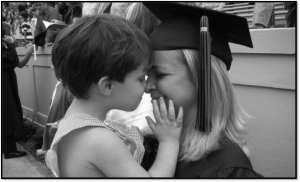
160 75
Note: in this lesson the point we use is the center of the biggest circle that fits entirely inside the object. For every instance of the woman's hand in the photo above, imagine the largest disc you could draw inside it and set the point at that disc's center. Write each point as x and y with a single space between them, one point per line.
167 128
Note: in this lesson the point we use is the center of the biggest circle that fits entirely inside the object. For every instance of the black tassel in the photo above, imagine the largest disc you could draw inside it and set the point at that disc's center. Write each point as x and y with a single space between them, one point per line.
203 122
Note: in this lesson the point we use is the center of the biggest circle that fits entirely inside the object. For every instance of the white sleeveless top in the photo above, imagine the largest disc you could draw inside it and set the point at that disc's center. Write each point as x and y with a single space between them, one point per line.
131 136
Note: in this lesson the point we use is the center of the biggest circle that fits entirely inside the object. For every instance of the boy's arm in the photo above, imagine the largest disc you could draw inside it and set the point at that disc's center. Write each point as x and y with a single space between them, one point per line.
112 157
166 160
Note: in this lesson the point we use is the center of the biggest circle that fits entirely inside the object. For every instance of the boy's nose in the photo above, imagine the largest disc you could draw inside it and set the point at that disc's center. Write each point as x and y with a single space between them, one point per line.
149 86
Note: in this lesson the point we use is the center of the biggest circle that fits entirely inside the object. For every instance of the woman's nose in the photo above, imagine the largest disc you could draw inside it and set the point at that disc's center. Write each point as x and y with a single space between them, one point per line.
150 85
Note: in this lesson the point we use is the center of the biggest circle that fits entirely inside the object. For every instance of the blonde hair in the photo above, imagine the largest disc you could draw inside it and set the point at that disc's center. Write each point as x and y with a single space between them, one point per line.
228 117
119 8
94 8
142 17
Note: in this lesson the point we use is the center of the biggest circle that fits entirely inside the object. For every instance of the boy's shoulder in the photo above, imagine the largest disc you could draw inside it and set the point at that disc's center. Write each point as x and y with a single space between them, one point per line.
93 144
97 139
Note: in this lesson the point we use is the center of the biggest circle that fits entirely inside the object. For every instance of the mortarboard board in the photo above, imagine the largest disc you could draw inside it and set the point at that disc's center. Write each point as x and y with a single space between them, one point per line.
181 24
180 29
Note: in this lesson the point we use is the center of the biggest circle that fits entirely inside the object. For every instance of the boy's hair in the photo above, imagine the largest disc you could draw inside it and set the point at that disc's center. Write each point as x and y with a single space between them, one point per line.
5 30
98 46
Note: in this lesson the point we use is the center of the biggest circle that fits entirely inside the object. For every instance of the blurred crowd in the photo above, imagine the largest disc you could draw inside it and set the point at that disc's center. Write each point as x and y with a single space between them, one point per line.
22 19
25 18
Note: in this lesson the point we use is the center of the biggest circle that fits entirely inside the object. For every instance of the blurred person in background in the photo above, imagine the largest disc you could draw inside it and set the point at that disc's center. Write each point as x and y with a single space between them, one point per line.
63 10
218 6
12 115
262 14
74 12
96 8
119 9
25 27
291 15
46 13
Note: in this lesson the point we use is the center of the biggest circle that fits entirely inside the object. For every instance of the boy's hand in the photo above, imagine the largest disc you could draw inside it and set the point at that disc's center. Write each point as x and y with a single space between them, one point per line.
167 127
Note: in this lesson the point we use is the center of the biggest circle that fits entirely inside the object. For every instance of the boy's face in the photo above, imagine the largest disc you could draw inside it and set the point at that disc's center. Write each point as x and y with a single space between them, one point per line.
128 95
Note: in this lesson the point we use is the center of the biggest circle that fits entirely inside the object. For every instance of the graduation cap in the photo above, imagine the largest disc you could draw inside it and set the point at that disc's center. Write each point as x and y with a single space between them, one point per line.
180 29
50 30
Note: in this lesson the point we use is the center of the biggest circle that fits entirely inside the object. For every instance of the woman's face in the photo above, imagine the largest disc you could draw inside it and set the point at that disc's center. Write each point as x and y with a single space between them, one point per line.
169 78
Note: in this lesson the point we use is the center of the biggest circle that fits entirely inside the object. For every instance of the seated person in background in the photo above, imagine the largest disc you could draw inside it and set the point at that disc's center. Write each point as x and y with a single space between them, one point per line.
63 10
61 98
119 9
218 6
74 12
261 14
46 13
96 8
25 27
291 15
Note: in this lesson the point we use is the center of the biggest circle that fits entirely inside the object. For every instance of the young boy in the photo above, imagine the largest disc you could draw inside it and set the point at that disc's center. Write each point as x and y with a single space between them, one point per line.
103 61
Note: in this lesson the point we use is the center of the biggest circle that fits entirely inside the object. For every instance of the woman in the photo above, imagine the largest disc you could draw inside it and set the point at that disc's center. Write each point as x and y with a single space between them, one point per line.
215 152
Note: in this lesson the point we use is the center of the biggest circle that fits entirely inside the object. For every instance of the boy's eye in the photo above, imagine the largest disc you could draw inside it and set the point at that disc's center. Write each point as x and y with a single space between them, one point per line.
142 78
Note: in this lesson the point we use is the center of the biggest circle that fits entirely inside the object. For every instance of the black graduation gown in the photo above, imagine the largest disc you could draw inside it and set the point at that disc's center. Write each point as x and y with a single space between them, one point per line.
227 162
11 109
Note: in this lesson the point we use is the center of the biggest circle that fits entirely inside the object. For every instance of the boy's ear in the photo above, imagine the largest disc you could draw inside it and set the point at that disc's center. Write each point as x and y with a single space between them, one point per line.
105 86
